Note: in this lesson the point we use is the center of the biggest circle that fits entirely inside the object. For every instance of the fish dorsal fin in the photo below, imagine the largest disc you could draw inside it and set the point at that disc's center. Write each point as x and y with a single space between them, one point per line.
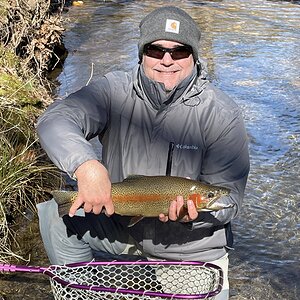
133 177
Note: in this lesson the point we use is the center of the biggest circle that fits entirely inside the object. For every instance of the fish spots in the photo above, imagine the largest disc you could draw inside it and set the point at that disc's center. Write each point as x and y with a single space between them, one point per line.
149 196
141 198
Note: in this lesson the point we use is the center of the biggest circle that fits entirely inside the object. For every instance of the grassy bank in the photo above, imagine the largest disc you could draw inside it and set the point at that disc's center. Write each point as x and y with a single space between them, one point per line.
30 38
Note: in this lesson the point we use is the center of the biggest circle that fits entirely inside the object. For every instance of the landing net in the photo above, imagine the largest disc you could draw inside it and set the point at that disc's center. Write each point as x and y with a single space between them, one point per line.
135 280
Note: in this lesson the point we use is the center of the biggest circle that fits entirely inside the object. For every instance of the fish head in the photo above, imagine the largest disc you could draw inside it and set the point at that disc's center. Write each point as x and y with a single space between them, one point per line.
204 196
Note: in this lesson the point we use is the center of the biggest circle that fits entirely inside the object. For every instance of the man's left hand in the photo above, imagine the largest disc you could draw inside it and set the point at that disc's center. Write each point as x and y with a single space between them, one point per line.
175 211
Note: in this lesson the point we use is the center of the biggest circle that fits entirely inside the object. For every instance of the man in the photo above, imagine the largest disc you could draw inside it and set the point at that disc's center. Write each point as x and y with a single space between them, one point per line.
136 115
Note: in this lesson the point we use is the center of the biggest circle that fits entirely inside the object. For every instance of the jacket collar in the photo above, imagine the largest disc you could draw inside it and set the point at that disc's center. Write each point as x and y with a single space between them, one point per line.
155 93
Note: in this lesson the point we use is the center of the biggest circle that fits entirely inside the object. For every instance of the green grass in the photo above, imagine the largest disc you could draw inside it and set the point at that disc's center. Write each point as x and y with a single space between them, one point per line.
25 174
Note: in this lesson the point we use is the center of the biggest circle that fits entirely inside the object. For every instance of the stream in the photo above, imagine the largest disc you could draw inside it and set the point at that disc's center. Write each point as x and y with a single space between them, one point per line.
252 51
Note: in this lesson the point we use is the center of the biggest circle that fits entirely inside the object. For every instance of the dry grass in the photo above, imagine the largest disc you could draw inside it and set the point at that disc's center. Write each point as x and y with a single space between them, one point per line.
29 33
33 30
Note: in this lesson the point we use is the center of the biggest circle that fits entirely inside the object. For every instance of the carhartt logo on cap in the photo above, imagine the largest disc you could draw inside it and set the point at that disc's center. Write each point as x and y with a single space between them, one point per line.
172 26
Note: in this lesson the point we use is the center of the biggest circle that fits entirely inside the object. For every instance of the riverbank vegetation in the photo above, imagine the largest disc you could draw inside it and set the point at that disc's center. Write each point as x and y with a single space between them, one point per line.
30 47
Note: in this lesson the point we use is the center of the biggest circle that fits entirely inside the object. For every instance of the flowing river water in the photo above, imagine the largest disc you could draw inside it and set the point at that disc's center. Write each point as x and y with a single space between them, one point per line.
252 50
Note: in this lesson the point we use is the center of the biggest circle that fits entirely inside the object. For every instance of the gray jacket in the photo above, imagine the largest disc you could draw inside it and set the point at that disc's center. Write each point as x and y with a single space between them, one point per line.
210 140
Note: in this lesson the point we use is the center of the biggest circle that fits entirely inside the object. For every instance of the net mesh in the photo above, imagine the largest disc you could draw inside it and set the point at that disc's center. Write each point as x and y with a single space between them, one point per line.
164 281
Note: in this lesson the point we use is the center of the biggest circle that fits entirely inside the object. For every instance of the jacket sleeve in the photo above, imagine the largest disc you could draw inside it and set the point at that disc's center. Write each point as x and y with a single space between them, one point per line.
66 127
225 163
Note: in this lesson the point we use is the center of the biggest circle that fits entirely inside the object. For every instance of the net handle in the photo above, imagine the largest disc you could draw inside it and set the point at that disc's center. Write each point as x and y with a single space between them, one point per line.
48 271
19 268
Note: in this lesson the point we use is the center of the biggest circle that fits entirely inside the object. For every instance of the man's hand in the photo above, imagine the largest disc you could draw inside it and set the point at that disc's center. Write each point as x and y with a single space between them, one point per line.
94 189
176 210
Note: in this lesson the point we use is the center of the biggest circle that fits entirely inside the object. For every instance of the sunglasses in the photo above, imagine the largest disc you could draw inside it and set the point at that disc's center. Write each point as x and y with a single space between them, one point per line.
176 53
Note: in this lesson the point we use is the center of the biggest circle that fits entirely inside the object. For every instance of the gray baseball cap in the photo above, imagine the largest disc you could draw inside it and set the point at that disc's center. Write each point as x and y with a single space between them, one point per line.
169 23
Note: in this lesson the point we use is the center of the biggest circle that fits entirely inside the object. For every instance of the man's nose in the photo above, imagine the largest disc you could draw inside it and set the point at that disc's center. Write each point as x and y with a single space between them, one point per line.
167 59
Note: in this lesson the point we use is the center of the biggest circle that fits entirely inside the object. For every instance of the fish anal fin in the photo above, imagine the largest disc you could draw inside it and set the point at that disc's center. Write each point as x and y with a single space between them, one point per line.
135 220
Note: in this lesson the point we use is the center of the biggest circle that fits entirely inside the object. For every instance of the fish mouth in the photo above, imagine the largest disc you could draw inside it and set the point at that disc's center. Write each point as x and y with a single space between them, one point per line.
218 206
211 201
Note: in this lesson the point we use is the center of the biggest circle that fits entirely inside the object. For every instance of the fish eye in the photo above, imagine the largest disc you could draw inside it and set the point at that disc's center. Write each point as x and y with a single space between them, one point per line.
210 194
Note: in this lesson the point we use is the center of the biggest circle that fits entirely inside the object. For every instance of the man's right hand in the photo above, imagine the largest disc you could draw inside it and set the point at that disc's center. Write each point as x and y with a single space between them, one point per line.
94 189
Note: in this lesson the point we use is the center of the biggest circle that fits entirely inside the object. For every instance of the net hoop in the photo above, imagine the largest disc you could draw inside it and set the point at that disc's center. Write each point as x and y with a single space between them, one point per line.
59 282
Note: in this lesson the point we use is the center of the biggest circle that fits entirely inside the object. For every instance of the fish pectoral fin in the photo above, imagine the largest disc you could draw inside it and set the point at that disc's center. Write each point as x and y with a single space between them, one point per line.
182 213
135 220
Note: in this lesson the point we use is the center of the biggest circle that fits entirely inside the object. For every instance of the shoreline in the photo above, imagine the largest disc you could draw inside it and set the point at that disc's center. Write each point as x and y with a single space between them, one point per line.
31 48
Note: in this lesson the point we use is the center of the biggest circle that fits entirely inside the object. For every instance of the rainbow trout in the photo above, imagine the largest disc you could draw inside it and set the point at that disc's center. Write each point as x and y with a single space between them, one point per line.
148 196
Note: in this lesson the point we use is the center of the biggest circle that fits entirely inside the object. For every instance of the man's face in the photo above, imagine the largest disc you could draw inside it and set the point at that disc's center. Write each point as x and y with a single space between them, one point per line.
166 70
